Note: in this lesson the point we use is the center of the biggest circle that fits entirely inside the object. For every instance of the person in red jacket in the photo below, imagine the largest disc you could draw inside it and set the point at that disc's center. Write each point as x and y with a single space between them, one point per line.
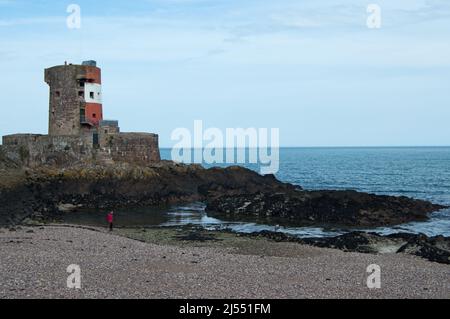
110 219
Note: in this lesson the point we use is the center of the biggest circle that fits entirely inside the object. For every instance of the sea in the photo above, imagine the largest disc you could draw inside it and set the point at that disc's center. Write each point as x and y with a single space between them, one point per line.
416 172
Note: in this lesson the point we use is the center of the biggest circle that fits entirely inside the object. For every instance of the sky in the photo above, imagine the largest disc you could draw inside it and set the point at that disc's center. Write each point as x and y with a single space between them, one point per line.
313 69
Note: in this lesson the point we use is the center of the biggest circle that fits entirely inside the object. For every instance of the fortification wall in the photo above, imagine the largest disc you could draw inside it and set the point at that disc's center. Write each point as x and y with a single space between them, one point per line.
131 147
77 132
34 150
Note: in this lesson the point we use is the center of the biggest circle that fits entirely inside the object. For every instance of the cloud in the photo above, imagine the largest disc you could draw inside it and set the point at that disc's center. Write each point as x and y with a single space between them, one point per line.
329 34
30 21
292 20
281 32
282 61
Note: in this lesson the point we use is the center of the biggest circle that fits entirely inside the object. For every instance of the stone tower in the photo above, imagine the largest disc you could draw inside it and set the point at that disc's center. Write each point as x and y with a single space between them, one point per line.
77 131
75 98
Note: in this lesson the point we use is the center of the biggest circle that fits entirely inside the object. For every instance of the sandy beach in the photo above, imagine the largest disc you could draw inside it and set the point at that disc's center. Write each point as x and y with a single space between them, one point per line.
34 261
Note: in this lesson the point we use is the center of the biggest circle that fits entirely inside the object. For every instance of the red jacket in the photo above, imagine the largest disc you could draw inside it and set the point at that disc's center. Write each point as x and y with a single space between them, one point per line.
110 218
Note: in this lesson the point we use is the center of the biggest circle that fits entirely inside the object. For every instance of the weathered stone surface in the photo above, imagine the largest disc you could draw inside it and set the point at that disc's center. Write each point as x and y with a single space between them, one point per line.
34 150
42 190
432 248
77 133
435 249
43 193
140 148
234 192
6 162
323 207
64 101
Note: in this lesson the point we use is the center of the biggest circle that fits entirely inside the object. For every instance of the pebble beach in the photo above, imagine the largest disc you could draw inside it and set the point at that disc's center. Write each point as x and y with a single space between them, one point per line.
34 261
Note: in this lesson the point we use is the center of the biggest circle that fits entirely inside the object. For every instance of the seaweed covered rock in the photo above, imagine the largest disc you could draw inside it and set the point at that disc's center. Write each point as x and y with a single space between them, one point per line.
436 249
348 208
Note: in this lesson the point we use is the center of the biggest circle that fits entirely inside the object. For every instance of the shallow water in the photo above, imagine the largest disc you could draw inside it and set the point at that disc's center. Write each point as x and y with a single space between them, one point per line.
422 173
194 214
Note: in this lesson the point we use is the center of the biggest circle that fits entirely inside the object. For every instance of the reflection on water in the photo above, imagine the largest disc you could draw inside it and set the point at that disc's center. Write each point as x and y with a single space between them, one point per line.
194 214
144 217
417 172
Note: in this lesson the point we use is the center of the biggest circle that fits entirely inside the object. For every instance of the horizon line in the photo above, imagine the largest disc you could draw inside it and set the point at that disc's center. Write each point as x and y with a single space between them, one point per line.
350 146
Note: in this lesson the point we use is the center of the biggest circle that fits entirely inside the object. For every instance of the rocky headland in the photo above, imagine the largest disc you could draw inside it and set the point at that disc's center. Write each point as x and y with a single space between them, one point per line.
44 194
345 208
233 192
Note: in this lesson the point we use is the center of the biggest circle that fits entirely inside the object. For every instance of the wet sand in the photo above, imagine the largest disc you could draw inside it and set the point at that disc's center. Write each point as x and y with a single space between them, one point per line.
164 264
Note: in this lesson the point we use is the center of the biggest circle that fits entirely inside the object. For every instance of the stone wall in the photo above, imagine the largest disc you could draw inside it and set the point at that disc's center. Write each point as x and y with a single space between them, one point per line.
34 150
64 112
67 97
131 147
77 132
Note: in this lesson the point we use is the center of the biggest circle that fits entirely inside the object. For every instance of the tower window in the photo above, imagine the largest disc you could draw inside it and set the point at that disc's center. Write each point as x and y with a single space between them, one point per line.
82 84
82 115
58 94
94 115
80 93
91 94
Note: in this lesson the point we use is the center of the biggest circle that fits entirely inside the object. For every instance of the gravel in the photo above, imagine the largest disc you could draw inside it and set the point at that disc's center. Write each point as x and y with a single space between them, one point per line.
34 265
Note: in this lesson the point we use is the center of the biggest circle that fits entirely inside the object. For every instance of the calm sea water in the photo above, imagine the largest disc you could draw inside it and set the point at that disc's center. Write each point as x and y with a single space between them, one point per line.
422 173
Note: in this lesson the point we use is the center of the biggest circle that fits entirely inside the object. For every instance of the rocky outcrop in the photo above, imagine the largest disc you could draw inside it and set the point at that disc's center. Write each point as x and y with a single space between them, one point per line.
43 192
432 248
232 192
349 208
435 249
5 162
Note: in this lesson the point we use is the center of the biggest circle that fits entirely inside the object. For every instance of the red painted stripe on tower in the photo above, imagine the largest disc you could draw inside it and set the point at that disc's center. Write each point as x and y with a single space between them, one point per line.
93 74
94 113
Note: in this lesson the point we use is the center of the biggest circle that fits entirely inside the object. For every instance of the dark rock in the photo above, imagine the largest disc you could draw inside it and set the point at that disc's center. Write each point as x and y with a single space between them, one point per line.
197 236
233 192
348 208
356 242
38 193
275 236
6 162
435 249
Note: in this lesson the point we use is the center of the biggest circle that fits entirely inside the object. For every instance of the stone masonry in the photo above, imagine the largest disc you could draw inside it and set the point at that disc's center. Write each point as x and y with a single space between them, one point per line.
77 131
